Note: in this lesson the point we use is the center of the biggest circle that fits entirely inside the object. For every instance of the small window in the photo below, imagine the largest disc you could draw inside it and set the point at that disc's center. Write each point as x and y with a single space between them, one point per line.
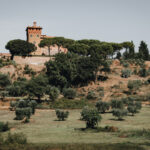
31 35
34 42
37 35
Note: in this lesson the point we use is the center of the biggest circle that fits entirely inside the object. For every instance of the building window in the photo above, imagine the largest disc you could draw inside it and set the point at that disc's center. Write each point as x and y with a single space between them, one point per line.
37 35
31 35
34 42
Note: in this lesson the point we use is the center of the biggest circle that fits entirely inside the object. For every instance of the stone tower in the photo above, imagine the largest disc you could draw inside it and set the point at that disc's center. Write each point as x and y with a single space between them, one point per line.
34 35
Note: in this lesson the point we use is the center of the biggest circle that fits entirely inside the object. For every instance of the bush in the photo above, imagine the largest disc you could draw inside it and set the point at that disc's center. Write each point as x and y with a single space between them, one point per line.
102 106
120 113
4 127
69 93
62 115
143 72
33 105
4 80
91 117
134 84
13 105
91 95
28 70
117 104
132 109
54 93
125 73
23 112
17 138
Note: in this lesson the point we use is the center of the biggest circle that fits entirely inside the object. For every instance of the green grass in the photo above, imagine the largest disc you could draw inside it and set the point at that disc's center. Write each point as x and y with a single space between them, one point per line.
44 128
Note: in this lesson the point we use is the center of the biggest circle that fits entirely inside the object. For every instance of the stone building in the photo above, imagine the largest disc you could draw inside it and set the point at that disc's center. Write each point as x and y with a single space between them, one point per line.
34 35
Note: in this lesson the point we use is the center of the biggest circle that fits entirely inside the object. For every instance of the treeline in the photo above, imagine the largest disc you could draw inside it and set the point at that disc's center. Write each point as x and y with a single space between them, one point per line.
83 63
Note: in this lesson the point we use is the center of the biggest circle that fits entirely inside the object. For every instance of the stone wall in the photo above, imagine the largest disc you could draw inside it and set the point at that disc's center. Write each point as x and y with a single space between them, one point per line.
34 60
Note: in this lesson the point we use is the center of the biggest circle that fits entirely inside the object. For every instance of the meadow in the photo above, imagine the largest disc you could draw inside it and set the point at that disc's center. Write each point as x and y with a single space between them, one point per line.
44 128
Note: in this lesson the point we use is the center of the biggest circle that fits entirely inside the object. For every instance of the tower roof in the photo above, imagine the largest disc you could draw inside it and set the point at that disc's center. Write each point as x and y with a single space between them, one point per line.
34 26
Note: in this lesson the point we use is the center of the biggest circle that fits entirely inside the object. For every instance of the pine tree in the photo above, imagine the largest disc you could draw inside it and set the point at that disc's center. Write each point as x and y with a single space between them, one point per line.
143 51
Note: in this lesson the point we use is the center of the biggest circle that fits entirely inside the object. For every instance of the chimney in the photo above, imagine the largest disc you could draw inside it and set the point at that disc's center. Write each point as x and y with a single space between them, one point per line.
34 24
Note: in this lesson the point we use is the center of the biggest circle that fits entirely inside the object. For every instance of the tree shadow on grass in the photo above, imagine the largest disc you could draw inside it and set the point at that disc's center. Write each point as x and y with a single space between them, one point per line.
114 119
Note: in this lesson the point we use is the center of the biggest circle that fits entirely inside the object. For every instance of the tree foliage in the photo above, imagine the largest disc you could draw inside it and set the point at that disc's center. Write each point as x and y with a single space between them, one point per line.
91 117
20 47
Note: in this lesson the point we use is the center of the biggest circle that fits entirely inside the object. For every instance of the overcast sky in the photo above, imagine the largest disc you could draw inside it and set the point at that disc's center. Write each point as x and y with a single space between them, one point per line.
105 20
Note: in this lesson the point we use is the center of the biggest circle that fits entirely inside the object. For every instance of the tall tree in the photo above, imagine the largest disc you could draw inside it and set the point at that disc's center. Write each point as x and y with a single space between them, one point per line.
48 42
20 47
143 51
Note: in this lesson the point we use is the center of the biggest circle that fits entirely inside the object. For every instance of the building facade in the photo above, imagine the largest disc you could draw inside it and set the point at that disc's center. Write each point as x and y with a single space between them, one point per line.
34 35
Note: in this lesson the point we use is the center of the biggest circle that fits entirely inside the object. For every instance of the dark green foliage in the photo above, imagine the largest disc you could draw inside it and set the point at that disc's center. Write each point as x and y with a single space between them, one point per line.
4 80
91 117
18 88
20 47
91 95
79 48
143 72
53 93
23 112
36 87
143 51
134 107
16 138
120 113
4 127
28 70
134 84
117 104
69 93
118 55
33 105
125 73
102 106
24 108
62 115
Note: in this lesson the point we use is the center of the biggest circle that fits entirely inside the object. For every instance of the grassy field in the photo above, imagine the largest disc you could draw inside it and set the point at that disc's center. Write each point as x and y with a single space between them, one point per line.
44 128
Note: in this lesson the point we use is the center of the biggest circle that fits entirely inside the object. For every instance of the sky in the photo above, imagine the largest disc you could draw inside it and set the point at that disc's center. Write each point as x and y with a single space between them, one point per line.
105 20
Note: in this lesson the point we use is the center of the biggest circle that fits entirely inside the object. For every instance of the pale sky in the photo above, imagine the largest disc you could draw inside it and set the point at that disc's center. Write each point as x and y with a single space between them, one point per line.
105 20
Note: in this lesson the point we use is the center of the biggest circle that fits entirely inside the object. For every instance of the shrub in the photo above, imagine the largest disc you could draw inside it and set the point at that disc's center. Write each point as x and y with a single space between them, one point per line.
4 127
54 93
119 113
62 115
13 105
125 73
23 112
102 106
28 70
91 95
117 104
17 138
134 84
4 80
132 109
91 117
143 72
69 93
33 105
